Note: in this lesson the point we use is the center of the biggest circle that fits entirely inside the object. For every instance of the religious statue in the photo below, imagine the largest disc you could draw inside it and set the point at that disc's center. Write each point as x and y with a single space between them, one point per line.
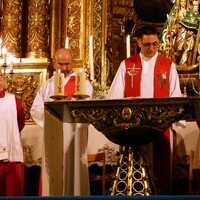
181 34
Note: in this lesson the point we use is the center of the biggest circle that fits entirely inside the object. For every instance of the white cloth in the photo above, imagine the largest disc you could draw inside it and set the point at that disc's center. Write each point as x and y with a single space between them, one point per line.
10 142
32 142
74 144
147 79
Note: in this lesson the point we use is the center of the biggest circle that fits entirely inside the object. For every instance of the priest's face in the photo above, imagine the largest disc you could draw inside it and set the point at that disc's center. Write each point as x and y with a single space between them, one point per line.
63 61
148 45
65 66
2 82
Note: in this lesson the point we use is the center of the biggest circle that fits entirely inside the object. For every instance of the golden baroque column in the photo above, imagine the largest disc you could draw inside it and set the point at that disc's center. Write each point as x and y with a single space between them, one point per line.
97 25
79 20
38 29
75 28
12 26
56 24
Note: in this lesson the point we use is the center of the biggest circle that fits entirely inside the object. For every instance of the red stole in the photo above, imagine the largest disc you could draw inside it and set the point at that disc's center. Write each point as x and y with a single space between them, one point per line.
134 71
70 88
133 76
161 146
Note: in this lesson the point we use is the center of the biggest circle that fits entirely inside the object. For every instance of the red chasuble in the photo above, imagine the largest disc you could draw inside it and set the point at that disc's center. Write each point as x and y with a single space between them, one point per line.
161 146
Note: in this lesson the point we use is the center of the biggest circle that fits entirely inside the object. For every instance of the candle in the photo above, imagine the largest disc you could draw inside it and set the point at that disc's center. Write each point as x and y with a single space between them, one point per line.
59 84
0 46
199 69
67 43
80 82
128 48
11 65
11 58
4 52
91 58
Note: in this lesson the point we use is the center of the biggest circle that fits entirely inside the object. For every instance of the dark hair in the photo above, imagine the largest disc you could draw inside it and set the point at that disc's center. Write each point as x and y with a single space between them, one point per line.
146 30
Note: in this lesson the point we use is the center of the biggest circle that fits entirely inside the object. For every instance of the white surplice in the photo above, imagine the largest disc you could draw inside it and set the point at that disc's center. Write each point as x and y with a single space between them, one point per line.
10 142
75 173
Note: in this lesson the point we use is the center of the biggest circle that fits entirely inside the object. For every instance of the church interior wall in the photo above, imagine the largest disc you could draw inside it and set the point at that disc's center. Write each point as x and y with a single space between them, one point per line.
108 22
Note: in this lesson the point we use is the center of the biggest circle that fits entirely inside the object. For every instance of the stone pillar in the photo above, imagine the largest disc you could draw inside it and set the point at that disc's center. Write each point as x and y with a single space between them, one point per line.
12 26
38 29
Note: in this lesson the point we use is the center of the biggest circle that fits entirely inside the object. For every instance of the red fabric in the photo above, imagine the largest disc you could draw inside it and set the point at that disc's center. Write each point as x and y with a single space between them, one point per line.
70 88
11 179
40 184
134 72
2 94
133 76
162 163
20 114
161 146
161 85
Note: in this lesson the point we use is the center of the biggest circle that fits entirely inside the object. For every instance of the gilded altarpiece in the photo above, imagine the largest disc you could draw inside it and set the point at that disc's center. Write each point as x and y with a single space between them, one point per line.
80 20
25 34
25 82
40 28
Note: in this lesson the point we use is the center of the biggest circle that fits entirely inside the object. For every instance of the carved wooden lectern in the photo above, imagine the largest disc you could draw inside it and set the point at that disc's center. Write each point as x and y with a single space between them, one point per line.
128 122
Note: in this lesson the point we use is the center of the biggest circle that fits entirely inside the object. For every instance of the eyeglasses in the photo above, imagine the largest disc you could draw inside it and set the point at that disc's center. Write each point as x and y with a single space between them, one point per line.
148 44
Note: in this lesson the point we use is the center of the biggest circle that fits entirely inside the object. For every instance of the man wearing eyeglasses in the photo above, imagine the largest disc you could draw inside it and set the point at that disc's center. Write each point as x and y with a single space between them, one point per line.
147 75
75 178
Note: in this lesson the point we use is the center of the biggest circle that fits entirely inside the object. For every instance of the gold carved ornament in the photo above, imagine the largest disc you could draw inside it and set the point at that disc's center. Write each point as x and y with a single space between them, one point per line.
129 117
24 87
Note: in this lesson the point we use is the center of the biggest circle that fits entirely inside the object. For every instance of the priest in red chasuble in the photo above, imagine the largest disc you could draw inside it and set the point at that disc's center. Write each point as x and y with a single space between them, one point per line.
12 121
149 75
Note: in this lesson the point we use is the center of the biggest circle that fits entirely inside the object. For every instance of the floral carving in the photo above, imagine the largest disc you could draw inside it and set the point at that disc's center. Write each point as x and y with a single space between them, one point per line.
24 87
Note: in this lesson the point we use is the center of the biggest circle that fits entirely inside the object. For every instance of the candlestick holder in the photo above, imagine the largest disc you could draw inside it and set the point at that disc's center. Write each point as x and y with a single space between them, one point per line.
11 72
58 97
196 87
184 78
80 96
5 66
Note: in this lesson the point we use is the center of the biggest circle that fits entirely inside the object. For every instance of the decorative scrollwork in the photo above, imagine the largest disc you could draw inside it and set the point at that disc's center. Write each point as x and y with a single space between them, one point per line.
150 116
126 118
126 113
38 20
24 87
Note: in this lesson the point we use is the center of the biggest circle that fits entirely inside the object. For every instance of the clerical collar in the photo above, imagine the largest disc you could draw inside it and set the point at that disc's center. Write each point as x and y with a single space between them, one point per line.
69 74
145 58
2 94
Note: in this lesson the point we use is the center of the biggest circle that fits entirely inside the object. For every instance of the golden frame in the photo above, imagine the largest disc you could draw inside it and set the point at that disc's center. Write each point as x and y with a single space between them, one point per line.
24 83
